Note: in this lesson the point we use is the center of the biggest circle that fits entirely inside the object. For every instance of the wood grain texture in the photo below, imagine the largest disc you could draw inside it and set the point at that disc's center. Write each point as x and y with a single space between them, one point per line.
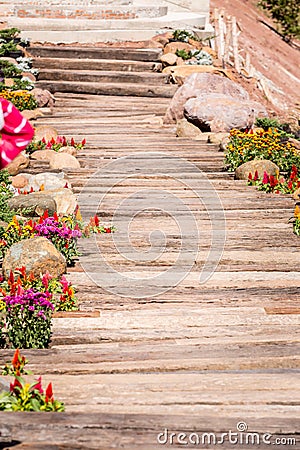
197 357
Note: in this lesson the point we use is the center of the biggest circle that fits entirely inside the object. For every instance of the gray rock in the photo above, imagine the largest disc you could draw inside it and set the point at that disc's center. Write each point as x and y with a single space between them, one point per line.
261 165
38 255
201 84
221 113
34 204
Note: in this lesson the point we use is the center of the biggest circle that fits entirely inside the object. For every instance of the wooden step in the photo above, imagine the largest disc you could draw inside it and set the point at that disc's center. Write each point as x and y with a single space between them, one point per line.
130 89
96 64
96 53
101 76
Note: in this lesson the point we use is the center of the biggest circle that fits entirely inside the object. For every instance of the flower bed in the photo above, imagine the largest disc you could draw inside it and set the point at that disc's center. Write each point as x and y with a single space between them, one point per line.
272 144
23 396
54 144
26 306
63 232
277 184
21 99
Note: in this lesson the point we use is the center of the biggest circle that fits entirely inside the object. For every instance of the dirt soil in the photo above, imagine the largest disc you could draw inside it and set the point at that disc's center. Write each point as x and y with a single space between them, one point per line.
270 54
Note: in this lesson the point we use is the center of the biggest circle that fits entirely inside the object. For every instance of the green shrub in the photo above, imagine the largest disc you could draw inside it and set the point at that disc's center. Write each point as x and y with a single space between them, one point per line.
286 13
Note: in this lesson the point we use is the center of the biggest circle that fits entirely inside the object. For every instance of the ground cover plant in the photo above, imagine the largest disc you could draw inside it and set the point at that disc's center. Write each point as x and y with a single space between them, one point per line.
54 144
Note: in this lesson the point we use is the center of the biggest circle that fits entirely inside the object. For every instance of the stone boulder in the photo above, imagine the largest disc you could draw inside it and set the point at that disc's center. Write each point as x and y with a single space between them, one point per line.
169 59
47 180
34 204
64 161
29 76
31 114
64 199
259 165
172 47
186 129
38 255
217 138
42 155
202 84
20 163
43 97
296 195
45 132
19 181
221 113
68 149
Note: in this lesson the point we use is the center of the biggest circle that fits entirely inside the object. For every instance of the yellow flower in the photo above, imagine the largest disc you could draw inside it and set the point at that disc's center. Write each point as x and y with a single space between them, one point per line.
297 212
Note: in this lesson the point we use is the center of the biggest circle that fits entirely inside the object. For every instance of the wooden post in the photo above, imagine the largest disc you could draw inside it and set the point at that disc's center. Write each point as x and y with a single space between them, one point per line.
235 45
221 35
247 63
228 39
217 34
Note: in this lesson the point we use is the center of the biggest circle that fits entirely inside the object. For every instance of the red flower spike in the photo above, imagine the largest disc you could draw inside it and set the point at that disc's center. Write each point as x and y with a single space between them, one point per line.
66 186
11 277
250 176
49 394
16 359
83 142
72 142
96 220
266 178
255 176
38 386
55 216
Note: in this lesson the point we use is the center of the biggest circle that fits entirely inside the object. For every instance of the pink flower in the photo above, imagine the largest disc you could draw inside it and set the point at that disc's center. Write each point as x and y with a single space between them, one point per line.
266 178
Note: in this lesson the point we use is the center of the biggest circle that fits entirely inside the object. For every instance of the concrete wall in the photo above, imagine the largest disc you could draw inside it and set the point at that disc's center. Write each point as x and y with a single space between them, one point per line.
201 6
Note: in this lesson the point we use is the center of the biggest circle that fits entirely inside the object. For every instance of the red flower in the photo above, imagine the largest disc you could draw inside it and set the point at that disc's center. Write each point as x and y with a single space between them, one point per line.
256 176
72 142
83 142
250 176
55 216
107 230
49 394
16 360
15 385
38 386
273 181
11 277
266 178
96 220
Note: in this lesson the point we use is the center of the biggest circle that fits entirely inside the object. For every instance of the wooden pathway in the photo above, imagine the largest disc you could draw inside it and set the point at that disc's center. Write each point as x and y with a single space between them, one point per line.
198 357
